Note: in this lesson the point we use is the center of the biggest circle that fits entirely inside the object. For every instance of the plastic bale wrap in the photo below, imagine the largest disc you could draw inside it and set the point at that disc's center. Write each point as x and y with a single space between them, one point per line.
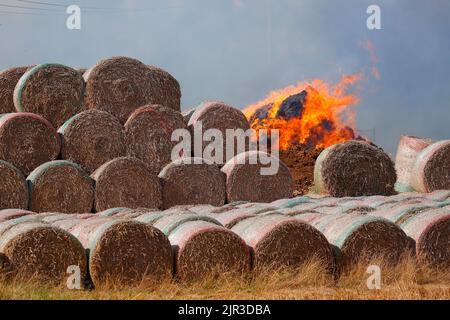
13 187
289 203
230 218
10 214
8 82
402 212
438 195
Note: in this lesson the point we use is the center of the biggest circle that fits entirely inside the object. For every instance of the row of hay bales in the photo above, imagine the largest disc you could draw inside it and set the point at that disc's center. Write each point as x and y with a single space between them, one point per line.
131 246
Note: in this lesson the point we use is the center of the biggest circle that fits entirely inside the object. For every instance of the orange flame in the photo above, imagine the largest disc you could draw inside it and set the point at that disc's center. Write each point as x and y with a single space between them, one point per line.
324 103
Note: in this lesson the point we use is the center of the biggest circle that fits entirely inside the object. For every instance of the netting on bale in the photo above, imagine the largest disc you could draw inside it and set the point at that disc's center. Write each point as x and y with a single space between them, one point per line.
249 166
10 214
230 218
167 89
8 81
92 138
149 135
13 187
354 168
126 182
401 212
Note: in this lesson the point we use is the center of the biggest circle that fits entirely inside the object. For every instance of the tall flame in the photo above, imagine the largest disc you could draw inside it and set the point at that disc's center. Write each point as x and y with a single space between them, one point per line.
327 116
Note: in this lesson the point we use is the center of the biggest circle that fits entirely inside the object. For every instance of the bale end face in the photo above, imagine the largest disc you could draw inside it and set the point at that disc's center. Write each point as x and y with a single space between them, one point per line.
13 187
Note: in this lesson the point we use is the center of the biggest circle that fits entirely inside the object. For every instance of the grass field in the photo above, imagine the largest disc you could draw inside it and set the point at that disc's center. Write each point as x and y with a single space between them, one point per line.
405 281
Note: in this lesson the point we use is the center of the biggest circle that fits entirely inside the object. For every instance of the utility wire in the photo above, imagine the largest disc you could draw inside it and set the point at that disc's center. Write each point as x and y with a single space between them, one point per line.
28 8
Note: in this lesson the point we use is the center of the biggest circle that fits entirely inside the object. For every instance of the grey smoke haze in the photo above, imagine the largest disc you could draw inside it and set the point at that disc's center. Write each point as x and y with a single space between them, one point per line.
237 51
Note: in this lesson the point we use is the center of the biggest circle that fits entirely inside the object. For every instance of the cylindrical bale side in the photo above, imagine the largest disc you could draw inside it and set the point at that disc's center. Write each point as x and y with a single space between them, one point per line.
126 182
289 203
354 168
294 212
230 218
13 187
192 181
438 195
111 212
408 149
61 186
27 141
229 206
167 89
400 213
203 208
309 217
168 223
8 82
10 214
150 217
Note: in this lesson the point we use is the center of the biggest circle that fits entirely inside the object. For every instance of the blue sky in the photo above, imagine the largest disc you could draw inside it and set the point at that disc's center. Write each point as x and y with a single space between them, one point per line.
237 51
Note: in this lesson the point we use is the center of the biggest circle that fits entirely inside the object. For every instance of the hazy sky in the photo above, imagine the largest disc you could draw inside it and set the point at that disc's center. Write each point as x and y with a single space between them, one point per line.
237 51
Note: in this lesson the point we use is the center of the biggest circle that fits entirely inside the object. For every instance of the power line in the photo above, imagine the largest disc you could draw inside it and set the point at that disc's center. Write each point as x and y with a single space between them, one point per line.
28 8
92 8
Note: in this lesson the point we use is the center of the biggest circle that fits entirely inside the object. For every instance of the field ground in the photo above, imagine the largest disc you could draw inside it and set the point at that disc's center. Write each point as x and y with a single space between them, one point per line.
405 281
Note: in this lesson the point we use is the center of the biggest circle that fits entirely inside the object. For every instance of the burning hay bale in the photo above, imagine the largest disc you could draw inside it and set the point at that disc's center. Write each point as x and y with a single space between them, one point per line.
8 81
278 241
149 135
13 187
431 171
120 85
124 252
126 182
246 167
53 91
354 168
27 141
192 181
219 116
92 138
10 214
40 252
169 93
431 232
408 149
61 186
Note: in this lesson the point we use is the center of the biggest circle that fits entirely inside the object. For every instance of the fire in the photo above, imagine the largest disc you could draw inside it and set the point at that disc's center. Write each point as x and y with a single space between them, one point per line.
312 113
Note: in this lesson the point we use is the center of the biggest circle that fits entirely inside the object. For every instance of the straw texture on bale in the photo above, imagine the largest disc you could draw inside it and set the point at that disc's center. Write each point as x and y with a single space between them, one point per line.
126 182
120 85
13 187
431 232
8 81
245 180
27 140
53 91
92 138
408 149
279 241
61 186
149 135
10 214
431 171
192 181
219 116
188 114
41 252
354 168
167 89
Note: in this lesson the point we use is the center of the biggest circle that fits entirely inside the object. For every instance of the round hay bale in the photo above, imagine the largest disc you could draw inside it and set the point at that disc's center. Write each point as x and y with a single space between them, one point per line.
92 138
168 223
13 187
431 232
431 171
438 195
191 181
27 141
203 209
167 89
289 203
133 213
120 85
41 252
230 218
278 241
149 217
8 81
149 135
111 212
10 214
126 182
354 168
188 114
82 71
61 186
53 91
246 167
408 149
204 248
402 212
124 252
359 239
219 116
309 217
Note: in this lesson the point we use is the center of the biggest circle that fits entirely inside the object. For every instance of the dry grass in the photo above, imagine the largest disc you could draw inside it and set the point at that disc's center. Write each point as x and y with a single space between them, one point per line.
405 281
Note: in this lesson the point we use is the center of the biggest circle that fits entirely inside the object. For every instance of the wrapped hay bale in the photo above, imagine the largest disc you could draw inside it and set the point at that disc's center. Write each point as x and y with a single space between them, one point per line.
230 218
431 170
60 186
203 208
354 168
120 85
431 232
149 217
278 241
8 81
401 212
13 187
438 195
191 181
289 203
92 138
53 91
126 182
10 214
408 149
111 212
27 141
203 247
309 217
124 252
188 114
246 167
168 89
149 135
40 252
219 116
